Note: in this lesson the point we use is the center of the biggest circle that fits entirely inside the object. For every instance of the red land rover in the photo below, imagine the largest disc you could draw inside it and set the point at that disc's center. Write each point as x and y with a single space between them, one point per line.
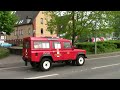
41 52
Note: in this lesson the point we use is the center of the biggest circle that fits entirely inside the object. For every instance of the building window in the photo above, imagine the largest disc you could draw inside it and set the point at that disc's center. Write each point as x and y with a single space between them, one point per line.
41 20
41 30
15 32
21 32
29 31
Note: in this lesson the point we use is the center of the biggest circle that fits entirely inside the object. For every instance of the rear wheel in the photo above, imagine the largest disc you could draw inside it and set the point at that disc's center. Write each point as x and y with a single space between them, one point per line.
45 64
80 60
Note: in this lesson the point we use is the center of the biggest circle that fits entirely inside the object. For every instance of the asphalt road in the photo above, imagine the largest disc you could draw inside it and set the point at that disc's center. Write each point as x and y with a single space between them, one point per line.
94 68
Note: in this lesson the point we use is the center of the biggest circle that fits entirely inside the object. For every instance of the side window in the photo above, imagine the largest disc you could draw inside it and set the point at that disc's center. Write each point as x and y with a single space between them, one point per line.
26 44
67 45
41 45
56 45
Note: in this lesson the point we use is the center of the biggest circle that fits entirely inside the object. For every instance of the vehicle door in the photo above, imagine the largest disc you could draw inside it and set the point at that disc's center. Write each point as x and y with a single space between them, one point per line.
68 53
26 48
57 51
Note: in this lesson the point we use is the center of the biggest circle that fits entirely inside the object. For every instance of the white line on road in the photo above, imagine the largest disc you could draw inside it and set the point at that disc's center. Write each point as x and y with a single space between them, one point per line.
103 57
12 68
41 76
106 66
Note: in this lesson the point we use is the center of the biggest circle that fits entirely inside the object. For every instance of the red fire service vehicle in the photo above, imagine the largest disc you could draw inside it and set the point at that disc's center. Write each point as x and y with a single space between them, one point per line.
41 52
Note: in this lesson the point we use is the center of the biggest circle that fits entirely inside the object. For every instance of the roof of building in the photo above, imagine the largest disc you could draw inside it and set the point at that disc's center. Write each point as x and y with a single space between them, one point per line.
23 15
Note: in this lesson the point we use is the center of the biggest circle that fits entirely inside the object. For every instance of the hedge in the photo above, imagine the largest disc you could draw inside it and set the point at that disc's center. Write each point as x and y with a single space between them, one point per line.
116 42
4 52
102 47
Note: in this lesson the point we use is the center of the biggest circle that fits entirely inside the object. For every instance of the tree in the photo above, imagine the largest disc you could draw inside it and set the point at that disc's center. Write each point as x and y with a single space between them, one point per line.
57 24
117 26
7 21
81 23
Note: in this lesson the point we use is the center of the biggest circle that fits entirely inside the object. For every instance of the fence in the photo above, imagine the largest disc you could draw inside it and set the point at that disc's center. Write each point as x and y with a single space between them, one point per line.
15 42
15 50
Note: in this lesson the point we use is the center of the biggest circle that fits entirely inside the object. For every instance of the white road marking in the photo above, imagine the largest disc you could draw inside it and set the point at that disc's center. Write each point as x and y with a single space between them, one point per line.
103 57
11 68
106 66
42 76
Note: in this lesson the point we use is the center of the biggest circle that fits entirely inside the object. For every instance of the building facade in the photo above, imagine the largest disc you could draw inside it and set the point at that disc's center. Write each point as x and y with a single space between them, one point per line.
30 24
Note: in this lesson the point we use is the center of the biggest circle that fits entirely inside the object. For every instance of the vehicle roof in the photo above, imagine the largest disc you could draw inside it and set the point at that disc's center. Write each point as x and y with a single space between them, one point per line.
47 38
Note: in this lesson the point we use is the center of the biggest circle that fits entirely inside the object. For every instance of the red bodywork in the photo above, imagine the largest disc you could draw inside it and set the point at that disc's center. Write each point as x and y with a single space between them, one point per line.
34 55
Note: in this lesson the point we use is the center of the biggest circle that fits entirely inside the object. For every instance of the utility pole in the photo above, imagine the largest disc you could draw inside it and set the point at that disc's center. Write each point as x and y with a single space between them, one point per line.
73 32
95 38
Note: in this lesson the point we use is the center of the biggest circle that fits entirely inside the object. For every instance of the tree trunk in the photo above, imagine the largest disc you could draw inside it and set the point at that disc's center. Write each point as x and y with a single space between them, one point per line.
73 32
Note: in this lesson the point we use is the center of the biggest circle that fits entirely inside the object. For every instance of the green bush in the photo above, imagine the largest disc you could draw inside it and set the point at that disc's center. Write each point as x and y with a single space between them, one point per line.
102 47
109 46
4 52
89 47
21 45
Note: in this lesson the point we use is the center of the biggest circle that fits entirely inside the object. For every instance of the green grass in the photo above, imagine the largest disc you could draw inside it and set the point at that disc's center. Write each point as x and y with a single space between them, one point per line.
4 52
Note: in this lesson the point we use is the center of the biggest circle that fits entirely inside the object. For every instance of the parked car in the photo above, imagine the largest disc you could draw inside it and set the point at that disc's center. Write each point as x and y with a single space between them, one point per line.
6 45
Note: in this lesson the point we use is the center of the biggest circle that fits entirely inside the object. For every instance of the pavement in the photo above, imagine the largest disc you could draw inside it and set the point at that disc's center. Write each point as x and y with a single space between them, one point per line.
11 60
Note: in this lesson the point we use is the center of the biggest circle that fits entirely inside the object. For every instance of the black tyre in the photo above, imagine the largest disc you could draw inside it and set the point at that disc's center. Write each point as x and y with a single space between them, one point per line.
45 64
80 60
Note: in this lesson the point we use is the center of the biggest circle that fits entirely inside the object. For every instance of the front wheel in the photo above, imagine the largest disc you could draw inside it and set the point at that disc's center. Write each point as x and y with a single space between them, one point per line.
80 60
45 64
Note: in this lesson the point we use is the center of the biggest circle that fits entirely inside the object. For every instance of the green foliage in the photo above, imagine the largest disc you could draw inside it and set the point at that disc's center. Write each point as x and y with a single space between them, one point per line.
89 47
86 22
116 24
7 21
102 47
4 52
116 42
